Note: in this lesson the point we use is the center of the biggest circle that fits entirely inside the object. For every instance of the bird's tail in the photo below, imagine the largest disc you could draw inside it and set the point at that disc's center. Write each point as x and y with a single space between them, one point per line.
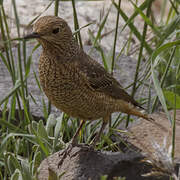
134 111
148 118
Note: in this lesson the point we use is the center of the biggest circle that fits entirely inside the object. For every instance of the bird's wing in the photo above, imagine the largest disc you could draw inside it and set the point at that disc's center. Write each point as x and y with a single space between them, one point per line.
100 80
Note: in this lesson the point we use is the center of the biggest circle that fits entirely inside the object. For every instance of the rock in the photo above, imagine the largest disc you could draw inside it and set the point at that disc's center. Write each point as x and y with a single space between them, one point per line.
146 134
83 163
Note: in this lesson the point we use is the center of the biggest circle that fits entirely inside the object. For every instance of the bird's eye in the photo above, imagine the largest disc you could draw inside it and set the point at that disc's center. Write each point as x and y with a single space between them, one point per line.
55 31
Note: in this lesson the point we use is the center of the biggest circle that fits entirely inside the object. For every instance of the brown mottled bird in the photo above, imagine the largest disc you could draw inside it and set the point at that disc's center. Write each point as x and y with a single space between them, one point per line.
73 81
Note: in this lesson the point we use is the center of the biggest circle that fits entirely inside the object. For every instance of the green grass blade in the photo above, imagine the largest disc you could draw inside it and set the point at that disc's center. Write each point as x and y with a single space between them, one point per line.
154 76
46 8
13 90
98 36
146 19
133 28
115 39
76 23
77 31
10 126
56 7
169 29
16 17
132 17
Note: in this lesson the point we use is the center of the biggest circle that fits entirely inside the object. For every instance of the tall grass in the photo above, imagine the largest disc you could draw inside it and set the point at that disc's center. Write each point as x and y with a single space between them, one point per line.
24 142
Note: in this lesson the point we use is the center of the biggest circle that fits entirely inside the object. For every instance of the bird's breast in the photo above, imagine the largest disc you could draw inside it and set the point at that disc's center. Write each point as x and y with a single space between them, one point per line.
58 80
63 86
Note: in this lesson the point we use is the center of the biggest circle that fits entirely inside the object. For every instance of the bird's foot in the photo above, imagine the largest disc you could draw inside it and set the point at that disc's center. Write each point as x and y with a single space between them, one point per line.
65 152
92 146
81 147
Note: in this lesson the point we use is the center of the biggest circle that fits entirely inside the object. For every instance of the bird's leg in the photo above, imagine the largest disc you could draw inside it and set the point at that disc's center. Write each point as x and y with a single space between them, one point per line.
71 144
96 139
74 139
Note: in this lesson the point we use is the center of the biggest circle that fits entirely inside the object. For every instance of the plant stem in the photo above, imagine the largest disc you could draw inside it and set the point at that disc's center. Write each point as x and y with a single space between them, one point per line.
56 7
76 24
115 39
163 78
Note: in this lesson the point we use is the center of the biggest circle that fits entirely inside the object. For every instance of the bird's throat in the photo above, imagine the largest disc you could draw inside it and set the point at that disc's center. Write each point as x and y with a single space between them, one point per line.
67 49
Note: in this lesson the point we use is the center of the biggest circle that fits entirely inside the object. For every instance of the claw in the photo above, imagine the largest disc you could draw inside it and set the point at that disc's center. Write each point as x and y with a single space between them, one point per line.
73 143
64 154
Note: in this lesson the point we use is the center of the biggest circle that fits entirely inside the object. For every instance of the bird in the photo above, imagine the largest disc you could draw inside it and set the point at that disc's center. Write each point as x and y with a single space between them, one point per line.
74 82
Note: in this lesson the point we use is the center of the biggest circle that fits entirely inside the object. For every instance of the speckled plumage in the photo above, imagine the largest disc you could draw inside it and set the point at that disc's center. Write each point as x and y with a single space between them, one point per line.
73 81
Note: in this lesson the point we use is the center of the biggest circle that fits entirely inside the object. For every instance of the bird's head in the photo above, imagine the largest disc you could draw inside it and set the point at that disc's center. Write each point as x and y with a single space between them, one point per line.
51 31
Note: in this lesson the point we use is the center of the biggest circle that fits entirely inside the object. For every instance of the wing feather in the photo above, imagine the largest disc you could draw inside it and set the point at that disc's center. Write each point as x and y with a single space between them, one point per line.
100 80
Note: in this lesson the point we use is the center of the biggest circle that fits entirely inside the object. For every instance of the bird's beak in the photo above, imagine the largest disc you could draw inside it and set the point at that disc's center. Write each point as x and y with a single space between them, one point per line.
32 35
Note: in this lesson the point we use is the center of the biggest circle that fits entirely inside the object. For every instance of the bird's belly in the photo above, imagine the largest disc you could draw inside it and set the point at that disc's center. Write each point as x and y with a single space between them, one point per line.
76 102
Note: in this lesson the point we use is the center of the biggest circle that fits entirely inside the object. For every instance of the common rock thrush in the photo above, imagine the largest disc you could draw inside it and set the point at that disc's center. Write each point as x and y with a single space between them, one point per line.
73 81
